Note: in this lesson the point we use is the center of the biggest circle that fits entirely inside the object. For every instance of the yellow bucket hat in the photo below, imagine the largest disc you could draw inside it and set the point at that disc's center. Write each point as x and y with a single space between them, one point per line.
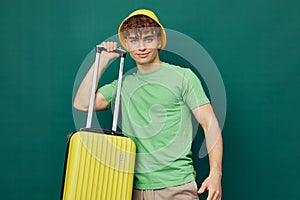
147 13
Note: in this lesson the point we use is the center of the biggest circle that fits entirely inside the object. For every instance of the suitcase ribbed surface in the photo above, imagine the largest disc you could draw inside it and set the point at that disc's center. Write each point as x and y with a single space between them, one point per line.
99 166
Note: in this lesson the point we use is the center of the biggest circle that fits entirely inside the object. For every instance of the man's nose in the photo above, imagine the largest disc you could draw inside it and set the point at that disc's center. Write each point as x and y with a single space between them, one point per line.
141 45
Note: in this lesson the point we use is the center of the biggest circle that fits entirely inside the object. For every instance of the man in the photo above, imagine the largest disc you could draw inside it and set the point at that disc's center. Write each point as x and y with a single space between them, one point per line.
157 105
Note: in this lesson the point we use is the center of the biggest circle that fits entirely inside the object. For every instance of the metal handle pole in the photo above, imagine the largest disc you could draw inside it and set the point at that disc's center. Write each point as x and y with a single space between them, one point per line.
118 95
92 96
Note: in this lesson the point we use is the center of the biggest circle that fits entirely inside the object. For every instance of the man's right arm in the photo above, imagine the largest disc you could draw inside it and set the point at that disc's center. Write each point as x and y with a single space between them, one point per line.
82 97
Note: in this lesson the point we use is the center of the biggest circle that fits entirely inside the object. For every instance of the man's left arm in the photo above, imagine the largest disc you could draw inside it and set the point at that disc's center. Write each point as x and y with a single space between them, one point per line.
214 142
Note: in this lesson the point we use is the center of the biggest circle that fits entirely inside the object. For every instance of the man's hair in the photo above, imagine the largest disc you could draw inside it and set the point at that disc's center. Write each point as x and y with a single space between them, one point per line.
139 24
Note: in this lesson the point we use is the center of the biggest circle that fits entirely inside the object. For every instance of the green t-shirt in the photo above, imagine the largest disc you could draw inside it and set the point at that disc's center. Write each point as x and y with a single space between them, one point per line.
156 115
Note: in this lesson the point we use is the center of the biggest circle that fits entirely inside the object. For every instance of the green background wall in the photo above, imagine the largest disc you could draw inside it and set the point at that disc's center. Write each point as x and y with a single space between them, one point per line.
255 45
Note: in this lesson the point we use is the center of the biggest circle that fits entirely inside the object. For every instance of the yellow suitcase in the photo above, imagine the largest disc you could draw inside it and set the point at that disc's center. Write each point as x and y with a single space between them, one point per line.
99 163
99 166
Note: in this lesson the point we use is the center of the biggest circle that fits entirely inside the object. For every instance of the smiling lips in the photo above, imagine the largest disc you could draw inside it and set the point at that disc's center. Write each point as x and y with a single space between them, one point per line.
142 55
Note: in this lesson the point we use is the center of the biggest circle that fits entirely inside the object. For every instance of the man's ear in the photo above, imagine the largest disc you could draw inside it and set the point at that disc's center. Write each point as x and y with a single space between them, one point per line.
159 42
125 43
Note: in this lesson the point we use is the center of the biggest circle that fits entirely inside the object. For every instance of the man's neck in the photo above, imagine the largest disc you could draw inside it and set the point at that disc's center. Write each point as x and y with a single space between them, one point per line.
147 68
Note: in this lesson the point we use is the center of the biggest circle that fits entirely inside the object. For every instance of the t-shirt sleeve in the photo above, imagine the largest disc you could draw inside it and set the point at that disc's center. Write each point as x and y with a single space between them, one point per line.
192 91
109 91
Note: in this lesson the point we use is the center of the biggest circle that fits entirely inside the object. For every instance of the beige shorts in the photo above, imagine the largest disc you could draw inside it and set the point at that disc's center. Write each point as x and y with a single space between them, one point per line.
186 191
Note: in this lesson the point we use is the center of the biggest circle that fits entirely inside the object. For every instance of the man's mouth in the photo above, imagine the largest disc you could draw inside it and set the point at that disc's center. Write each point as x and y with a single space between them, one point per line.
142 55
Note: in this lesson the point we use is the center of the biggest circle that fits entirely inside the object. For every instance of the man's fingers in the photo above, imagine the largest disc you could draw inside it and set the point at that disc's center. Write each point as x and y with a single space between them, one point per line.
210 196
109 46
213 195
202 189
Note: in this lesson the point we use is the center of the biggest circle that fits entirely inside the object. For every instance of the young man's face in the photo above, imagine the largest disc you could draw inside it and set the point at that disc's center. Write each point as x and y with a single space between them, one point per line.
143 47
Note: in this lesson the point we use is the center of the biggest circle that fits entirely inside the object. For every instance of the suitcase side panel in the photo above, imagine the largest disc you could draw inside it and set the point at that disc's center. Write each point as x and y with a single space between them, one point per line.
99 167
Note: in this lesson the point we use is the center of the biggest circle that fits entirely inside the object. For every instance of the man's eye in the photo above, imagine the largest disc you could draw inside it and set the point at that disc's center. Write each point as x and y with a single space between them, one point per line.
133 41
149 39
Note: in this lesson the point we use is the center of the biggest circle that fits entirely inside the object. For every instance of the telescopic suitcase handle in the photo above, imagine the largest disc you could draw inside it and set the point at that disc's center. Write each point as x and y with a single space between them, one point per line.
122 54
120 51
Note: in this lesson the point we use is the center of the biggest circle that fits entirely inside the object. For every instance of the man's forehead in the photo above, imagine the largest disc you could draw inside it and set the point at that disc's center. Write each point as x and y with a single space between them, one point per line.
140 32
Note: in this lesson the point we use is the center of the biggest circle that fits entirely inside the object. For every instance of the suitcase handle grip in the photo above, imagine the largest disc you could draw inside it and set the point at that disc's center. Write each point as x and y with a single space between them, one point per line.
102 130
119 51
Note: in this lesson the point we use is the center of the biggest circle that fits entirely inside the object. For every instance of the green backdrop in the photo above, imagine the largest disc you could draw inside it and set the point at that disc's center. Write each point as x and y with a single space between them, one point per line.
255 45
